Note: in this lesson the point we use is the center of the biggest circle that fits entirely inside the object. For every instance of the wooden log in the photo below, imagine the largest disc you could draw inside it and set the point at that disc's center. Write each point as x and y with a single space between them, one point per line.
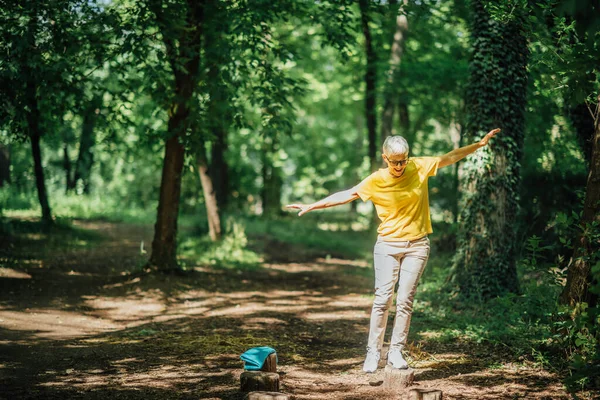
270 364
425 394
267 396
251 381
397 379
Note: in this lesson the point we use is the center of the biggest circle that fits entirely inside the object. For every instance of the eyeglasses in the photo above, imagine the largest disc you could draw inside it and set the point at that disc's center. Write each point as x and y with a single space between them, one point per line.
398 163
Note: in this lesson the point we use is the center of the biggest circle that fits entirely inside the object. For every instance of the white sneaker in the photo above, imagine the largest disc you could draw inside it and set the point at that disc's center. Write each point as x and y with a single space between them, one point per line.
371 361
395 359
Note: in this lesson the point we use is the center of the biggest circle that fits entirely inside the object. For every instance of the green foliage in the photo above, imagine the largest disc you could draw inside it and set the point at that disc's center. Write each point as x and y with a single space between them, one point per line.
72 206
577 334
53 54
575 331
517 324
230 252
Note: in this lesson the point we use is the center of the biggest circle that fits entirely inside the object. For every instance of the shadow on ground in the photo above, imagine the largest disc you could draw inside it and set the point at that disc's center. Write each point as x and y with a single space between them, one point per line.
76 322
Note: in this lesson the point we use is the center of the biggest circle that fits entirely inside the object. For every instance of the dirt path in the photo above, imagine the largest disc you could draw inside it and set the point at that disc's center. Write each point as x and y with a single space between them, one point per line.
74 323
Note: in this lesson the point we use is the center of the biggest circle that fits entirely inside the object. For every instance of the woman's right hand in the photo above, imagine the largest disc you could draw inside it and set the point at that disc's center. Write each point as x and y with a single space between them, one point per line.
304 208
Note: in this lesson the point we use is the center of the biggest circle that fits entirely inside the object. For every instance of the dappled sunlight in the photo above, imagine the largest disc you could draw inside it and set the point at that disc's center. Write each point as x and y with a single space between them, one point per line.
13 274
321 265
505 383
332 316
295 268
122 284
164 376
54 324
261 322
252 307
346 362
109 334
136 307
324 383
343 262
131 308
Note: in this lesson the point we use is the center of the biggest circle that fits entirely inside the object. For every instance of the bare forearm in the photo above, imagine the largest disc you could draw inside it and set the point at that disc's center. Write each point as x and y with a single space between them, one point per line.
460 153
335 199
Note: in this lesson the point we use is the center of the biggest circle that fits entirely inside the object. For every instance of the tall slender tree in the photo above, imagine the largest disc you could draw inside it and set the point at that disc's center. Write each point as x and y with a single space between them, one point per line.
87 140
370 82
579 65
391 94
180 25
4 165
485 264
580 277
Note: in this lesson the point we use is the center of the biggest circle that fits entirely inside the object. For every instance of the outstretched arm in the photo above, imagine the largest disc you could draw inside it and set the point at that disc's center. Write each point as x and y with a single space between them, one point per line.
336 199
458 154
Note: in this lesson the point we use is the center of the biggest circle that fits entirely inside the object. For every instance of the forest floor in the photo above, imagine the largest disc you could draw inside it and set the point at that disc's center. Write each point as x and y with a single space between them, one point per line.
78 320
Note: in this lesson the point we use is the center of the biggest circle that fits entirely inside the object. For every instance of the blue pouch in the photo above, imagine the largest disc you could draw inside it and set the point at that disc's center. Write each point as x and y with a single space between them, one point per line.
255 357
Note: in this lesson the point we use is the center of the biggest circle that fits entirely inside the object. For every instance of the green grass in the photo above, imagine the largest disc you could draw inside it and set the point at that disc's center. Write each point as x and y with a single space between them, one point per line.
71 206
519 324
308 232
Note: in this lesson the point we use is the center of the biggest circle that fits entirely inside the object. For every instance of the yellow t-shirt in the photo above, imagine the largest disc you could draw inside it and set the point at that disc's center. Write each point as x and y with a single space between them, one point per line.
402 203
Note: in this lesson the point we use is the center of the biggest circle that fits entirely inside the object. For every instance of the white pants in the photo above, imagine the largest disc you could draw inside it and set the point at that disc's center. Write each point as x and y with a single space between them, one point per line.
401 262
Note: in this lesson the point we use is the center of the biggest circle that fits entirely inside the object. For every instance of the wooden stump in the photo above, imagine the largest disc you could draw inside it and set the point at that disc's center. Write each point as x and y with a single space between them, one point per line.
259 381
267 396
270 364
397 379
425 394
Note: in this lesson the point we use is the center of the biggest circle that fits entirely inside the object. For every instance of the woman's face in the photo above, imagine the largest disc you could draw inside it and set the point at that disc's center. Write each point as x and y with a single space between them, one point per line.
396 163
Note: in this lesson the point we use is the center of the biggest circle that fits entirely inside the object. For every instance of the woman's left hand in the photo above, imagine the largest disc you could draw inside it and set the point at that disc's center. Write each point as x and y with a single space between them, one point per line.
490 134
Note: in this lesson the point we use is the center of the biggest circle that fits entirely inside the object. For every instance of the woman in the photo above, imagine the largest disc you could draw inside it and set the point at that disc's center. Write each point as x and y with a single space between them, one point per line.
400 195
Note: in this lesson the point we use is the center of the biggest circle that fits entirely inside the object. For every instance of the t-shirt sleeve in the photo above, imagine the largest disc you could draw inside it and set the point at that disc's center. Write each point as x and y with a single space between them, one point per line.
366 188
428 166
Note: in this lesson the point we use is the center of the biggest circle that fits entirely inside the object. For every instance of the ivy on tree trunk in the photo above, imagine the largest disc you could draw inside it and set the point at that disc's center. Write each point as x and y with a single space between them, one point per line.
485 262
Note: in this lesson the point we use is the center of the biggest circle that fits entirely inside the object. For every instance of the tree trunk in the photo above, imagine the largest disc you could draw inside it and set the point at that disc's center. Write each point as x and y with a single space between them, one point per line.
485 263
85 160
219 114
40 182
164 245
184 58
404 118
219 170
210 199
272 182
579 276
455 136
69 181
583 122
219 119
391 88
33 122
4 165
370 81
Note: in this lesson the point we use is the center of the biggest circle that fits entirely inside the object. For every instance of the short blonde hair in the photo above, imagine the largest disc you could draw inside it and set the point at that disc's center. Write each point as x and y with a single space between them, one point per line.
395 145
